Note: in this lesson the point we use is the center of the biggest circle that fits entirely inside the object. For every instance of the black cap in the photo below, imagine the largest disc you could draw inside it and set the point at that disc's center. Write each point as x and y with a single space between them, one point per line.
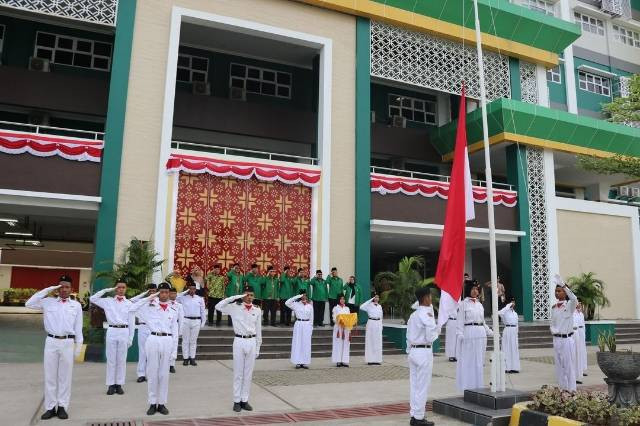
248 288
334 269
164 286
302 291
173 290
269 268
318 271
65 278
121 279
191 282
151 286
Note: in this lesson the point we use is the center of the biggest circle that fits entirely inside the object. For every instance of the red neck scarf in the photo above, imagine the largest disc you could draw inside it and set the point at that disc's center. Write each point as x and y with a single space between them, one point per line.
164 306
248 307
119 298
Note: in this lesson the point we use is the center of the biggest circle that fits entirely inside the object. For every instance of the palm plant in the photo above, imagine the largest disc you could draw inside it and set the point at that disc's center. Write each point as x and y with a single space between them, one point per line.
398 288
590 291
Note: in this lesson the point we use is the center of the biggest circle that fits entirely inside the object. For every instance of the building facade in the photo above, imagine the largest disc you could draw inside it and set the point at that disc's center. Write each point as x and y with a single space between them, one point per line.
315 133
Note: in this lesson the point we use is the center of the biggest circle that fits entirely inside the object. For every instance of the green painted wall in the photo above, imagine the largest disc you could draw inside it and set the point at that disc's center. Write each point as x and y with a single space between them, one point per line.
635 4
380 103
514 79
363 157
112 154
558 91
588 100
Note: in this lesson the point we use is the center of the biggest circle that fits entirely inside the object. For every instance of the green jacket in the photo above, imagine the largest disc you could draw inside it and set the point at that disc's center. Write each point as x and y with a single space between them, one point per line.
270 288
299 284
234 286
319 290
335 286
215 283
255 281
347 294
286 287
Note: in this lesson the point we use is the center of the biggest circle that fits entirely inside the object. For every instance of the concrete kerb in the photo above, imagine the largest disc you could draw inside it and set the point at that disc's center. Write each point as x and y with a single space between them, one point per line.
521 415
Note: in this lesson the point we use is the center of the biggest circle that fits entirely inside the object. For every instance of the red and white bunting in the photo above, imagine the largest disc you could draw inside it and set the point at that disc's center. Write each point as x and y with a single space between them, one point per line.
243 170
47 146
388 184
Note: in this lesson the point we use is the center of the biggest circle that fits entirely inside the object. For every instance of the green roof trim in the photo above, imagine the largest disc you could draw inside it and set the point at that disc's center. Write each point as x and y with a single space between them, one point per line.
535 121
500 18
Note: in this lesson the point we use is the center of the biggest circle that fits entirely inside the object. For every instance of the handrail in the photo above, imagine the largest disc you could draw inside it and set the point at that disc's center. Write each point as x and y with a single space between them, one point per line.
432 176
50 130
225 150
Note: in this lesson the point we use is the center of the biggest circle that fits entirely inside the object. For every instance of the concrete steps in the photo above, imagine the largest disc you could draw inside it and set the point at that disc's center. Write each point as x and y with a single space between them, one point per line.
628 333
530 336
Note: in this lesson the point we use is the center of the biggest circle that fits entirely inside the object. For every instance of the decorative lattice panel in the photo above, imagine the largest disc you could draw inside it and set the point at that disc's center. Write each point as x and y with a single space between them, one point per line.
227 220
612 7
625 86
528 83
538 231
96 11
419 59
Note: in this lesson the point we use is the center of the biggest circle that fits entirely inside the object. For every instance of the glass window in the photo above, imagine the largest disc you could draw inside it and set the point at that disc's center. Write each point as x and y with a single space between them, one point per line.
192 68
74 51
413 109
589 23
540 6
553 75
261 81
625 36
594 83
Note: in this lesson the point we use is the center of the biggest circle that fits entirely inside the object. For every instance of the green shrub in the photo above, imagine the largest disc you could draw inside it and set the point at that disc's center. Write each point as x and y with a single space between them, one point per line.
17 295
629 416
589 407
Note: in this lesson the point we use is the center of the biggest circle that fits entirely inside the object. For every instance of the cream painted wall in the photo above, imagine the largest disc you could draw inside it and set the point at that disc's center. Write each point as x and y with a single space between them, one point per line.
85 281
141 151
590 242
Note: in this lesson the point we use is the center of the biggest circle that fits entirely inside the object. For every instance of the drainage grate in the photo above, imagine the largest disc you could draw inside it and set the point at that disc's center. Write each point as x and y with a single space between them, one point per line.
116 423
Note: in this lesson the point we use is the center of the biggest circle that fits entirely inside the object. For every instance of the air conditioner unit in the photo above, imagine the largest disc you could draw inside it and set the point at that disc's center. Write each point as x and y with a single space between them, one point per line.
624 191
39 118
38 64
635 192
612 7
238 94
398 121
201 88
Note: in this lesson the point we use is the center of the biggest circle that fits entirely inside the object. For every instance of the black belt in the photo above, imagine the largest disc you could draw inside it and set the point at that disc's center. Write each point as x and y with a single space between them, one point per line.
69 336
453 319
193 318
564 336
142 323
581 326
118 326
298 319
250 336
509 325
421 346
375 319
153 333
474 323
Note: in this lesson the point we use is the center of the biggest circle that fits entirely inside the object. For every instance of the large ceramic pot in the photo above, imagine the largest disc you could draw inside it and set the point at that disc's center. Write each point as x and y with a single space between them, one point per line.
619 365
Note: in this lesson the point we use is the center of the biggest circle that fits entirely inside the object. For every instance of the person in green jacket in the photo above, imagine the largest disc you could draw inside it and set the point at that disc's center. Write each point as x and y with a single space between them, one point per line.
353 294
319 297
286 292
301 282
254 279
270 297
335 284
234 284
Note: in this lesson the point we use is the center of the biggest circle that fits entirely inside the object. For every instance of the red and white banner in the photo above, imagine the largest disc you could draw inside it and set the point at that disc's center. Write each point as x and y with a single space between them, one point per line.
243 170
47 146
389 184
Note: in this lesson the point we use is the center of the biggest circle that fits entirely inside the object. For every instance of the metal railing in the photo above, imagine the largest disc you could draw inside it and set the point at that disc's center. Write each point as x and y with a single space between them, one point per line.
225 150
432 176
50 130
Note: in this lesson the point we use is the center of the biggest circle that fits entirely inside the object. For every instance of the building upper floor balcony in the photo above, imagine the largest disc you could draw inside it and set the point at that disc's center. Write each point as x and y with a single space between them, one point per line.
103 12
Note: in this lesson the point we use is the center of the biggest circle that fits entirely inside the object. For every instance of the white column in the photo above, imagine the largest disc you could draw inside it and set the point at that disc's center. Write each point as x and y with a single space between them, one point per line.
552 220
566 13
543 89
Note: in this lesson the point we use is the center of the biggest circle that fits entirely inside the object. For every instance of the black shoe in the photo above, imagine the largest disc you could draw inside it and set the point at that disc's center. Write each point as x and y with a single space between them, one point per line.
515 371
152 410
141 379
578 382
62 413
339 364
246 406
172 369
236 407
185 361
304 366
162 409
345 365
585 374
111 390
298 366
452 359
193 362
48 414
119 390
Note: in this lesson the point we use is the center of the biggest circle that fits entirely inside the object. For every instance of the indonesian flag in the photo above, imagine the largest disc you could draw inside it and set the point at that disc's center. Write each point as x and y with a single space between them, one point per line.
460 210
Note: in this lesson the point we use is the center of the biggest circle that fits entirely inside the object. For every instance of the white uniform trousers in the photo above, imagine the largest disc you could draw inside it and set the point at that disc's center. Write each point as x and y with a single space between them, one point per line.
301 342
565 361
143 333
581 352
341 345
420 367
451 341
373 341
190 332
158 350
510 348
117 344
58 368
174 353
244 358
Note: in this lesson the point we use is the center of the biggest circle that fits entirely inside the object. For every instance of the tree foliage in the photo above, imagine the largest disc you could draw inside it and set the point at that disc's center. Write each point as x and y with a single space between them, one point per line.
590 291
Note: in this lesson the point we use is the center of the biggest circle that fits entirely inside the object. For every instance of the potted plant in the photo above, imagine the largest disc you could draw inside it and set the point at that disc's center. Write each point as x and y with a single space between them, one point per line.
617 366
590 291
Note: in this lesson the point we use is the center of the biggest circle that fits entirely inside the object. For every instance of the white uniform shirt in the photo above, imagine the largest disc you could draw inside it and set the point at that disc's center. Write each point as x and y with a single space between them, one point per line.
193 306
337 310
578 320
177 306
157 318
509 316
60 317
116 309
373 310
303 311
562 314
246 320
421 327
471 311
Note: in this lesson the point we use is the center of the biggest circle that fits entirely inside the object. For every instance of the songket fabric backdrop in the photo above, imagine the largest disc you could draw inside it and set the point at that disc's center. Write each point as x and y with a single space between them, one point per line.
226 220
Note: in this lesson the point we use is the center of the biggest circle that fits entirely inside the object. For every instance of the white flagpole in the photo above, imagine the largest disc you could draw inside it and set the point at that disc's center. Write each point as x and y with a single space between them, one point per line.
497 368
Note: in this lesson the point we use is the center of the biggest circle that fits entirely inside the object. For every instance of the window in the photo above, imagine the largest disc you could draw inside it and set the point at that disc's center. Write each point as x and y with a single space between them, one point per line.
554 75
192 68
413 109
626 36
73 51
594 83
2 30
262 81
590 24
540 6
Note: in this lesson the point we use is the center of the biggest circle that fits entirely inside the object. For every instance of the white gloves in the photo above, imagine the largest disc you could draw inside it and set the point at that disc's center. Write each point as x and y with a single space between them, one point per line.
77 350
557 279
257 352
130 343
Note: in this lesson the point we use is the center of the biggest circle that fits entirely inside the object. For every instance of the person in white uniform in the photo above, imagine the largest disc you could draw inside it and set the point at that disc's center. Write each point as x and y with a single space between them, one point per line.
302 329
581 345
422 330
161 317
247 326
373 331
562 330
143 333
473 333
341 336
119 334
62 319
451 342
173 296
194 319
509 318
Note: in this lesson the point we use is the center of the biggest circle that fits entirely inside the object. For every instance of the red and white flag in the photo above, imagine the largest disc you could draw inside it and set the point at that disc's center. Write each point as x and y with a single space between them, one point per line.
460 210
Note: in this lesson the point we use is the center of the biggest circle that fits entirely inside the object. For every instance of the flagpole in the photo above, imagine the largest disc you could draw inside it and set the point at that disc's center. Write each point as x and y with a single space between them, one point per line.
497 370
